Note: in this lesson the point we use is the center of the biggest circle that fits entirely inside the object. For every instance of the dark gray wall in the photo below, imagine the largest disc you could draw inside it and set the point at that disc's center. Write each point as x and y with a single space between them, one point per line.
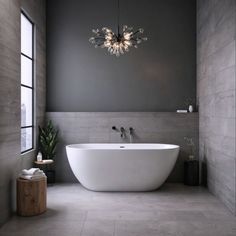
216 94
158 76
11 161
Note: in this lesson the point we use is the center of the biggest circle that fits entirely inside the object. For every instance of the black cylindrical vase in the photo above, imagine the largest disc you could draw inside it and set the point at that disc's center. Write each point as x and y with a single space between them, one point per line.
50 176
191 172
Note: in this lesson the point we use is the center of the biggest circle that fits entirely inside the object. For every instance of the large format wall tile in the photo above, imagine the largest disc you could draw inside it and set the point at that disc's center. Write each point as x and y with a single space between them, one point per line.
216 30
11 160
150 127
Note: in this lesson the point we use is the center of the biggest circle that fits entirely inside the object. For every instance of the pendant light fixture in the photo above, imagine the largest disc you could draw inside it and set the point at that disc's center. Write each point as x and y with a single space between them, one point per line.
120 42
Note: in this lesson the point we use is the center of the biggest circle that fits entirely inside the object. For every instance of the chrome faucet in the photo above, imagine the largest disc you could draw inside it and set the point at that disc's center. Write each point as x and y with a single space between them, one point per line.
122 132
131 134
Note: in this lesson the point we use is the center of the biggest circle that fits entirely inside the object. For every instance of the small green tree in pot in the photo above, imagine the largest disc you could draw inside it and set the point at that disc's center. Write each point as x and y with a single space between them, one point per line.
48 139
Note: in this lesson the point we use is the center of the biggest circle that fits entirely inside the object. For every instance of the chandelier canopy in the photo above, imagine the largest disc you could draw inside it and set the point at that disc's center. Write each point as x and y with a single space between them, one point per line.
119 43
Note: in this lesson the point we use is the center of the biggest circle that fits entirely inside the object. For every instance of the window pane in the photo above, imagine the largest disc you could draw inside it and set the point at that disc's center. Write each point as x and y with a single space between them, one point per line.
26 36
26 139
26 71
26 106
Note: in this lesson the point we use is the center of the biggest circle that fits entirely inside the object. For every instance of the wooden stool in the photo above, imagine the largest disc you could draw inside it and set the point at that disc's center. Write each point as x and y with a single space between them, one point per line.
31 196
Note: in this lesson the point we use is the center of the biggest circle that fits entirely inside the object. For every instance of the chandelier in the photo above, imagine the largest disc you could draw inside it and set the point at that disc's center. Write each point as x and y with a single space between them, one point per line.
120 42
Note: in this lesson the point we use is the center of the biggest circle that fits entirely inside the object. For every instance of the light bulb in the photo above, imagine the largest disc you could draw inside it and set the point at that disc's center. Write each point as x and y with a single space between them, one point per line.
107 44
116 45
141 30
108 37
92 40
127 36
127 49
95 31
128 43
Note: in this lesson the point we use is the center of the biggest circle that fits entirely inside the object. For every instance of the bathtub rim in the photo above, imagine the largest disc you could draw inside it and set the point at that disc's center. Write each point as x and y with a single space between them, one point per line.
121 146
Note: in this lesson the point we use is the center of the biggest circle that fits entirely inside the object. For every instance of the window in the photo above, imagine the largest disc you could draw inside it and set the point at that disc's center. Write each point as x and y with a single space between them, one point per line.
27 84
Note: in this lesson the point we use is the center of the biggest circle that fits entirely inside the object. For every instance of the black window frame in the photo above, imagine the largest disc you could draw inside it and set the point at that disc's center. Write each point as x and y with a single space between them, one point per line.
33 84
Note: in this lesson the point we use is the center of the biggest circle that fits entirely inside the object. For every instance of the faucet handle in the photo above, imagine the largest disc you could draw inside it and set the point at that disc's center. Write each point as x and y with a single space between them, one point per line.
114 128
131 130
122 132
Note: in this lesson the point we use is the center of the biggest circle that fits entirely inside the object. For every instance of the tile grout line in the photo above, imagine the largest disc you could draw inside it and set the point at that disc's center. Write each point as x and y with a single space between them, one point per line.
114 228
84 220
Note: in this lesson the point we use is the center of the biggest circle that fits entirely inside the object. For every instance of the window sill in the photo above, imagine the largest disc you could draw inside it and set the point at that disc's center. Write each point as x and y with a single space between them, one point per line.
28 154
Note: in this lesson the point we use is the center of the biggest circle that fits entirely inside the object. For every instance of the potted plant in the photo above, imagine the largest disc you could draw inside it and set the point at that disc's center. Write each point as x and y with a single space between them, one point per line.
191 144
191 165
48 139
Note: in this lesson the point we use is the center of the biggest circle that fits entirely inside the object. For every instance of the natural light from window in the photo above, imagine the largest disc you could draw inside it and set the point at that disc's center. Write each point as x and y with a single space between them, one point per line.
27 84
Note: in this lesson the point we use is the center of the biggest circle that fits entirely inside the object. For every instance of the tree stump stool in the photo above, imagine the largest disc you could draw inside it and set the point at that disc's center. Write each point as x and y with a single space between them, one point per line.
31 196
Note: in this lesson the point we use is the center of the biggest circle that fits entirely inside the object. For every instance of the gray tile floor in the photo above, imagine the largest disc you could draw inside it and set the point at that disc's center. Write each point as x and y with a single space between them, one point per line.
174 209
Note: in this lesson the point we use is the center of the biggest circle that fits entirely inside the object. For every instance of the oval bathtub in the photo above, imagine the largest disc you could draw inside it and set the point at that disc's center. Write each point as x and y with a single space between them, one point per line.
122 167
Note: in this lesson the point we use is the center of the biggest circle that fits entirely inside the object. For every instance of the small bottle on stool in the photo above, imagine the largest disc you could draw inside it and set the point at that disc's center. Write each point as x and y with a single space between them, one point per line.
39 157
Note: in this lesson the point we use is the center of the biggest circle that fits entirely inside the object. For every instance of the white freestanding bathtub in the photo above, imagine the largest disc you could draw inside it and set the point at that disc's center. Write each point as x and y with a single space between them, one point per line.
122 167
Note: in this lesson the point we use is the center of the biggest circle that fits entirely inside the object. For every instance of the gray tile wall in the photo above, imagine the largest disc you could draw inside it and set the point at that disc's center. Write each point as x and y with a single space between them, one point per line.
216 29
96 127
10 159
